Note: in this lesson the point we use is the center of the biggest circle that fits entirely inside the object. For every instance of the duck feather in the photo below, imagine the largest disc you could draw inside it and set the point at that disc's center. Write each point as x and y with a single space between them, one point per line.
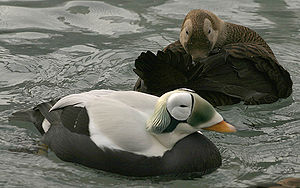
237 72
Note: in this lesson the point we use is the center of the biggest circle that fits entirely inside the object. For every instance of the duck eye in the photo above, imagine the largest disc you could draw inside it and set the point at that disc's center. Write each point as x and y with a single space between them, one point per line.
183 106
208 31
187 32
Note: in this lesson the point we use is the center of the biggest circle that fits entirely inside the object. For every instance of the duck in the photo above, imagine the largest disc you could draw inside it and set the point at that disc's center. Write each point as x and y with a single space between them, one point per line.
131 133
223 62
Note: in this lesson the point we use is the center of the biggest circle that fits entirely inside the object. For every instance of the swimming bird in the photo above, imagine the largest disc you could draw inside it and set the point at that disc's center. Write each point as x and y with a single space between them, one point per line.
225 63
131 133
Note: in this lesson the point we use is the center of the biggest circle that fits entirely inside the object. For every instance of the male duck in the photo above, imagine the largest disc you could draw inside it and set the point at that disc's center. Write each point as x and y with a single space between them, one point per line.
223 62
131 133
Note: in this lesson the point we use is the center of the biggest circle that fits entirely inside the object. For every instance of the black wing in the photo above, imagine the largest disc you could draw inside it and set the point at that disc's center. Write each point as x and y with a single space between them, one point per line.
73 118
237 72
162 72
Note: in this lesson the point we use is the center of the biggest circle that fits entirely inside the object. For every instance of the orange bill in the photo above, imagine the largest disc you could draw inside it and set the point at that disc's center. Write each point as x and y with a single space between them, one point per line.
222 127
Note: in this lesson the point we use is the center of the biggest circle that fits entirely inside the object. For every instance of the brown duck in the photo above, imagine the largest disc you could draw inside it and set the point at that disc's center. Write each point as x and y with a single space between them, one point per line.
223 62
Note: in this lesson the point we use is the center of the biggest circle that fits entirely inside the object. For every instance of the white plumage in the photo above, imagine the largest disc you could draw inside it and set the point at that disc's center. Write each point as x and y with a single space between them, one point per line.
118 119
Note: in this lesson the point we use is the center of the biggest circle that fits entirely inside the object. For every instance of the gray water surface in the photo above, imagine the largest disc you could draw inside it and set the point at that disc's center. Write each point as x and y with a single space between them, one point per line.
52 48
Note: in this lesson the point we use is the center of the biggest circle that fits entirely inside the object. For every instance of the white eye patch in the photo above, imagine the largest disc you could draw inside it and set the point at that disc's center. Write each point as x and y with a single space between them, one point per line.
211 34
179 105
186 32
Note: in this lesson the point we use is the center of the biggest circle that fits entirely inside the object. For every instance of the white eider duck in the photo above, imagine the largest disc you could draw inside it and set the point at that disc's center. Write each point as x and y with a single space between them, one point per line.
223 62
131 133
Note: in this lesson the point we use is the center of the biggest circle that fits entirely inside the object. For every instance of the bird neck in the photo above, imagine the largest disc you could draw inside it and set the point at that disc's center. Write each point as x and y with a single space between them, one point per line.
169 139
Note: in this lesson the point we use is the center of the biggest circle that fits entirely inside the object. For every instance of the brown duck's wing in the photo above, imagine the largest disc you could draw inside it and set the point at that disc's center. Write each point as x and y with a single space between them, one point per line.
237 72
175 47
167 71
244 71
213 78
262 59
218 80
162 72
264 62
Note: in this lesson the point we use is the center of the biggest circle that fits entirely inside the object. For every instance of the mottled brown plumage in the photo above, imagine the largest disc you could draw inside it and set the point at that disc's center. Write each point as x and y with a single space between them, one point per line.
223 62
240 34
224 32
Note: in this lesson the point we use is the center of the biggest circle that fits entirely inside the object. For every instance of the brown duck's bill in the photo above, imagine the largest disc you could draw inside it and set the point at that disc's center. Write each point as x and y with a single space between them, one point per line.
222 127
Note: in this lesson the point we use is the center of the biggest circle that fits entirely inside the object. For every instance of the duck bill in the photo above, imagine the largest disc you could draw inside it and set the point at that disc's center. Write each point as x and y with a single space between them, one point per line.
222 127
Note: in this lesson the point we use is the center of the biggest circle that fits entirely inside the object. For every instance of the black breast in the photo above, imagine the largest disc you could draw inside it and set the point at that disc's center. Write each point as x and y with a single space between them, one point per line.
194 153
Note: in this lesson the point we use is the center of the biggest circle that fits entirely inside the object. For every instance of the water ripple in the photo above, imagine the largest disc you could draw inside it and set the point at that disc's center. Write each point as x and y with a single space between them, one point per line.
49 49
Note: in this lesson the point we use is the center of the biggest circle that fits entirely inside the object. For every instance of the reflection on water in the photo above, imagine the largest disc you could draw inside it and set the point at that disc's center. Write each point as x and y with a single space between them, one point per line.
282 16
49 49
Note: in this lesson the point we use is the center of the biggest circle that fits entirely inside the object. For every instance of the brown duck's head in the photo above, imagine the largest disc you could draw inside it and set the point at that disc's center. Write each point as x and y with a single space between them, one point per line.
200 32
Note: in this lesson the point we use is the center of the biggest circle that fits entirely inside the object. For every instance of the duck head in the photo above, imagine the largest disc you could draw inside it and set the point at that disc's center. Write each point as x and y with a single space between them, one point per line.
181 112
200 31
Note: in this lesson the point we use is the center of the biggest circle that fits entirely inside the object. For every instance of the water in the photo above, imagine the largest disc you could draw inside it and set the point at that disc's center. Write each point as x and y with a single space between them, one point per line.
49 49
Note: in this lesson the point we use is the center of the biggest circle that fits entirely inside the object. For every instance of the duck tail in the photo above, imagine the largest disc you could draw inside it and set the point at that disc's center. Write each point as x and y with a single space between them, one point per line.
26 116
37 115
32 116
